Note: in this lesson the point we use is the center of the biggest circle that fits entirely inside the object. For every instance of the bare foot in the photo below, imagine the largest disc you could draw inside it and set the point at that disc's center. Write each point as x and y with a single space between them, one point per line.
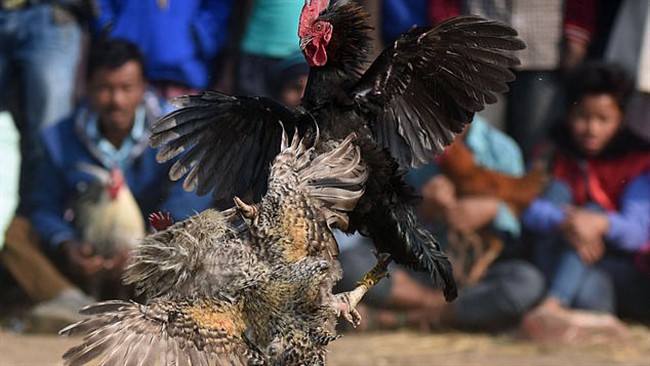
551 322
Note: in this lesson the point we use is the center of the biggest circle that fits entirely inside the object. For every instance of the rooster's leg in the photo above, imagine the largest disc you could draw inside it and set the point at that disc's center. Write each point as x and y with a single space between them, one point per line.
346 303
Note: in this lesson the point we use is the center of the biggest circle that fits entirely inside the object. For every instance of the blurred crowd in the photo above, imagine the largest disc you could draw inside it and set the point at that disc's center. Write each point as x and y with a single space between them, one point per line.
542 203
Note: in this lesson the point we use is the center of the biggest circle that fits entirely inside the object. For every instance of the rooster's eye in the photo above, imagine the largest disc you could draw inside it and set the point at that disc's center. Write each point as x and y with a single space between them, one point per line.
319 27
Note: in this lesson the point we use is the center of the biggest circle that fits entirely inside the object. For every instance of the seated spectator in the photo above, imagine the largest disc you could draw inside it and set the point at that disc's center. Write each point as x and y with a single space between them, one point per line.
105 145
57 299
595 214
19 252
180 39
493 297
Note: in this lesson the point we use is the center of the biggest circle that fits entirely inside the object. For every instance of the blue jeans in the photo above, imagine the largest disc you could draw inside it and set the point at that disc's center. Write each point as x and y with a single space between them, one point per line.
43 53
571 281
508 290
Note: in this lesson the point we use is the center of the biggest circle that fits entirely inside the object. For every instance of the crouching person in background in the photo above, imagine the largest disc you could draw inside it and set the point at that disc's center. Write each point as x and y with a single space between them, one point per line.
595 215
100 179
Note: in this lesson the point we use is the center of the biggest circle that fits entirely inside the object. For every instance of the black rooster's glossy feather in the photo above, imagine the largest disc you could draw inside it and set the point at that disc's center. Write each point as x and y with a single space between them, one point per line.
226 143
427 85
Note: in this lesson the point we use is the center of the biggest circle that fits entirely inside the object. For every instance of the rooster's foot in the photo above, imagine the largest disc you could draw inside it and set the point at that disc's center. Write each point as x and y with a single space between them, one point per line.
160 221
345 304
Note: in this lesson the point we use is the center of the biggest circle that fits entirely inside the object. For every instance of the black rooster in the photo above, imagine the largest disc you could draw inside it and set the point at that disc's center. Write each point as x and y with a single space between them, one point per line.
404 109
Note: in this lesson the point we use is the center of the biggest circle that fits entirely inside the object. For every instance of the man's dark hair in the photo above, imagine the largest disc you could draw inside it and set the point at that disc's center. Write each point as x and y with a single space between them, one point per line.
113 54
599 78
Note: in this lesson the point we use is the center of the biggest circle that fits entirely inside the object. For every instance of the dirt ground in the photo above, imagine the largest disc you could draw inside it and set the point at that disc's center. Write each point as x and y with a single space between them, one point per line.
401 348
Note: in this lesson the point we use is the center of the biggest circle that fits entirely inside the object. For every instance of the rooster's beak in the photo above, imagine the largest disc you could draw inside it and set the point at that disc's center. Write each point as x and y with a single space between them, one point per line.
305 41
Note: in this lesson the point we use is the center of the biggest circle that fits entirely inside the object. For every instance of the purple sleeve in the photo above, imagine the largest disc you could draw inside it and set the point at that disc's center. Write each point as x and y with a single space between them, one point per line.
543 216
546 213
629 228
210 27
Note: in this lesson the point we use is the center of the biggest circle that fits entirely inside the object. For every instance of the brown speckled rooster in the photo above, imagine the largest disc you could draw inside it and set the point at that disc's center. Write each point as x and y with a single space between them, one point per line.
404 109
247 286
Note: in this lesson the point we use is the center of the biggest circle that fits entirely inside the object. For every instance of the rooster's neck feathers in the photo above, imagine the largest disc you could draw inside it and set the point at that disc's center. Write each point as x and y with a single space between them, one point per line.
348 49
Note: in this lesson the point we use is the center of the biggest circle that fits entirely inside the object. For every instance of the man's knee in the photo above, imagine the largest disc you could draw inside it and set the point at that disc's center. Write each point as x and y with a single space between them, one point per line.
20 234
525 285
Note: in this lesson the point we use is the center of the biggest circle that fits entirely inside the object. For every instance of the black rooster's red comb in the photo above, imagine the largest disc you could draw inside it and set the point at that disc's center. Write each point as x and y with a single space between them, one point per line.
309 14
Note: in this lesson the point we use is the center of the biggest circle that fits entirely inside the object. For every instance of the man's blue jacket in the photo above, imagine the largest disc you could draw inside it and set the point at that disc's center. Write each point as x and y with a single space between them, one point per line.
67 144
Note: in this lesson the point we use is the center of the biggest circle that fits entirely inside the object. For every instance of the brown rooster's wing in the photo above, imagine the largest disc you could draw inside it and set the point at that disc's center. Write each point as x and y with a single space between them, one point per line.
310 193
202 332
428 85
207 253
334 180
227 142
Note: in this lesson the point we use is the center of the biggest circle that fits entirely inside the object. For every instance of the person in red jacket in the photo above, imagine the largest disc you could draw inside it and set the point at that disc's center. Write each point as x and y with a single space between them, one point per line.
595 215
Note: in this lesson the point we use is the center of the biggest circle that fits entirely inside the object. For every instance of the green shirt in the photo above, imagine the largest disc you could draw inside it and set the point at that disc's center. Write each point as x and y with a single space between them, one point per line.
272 29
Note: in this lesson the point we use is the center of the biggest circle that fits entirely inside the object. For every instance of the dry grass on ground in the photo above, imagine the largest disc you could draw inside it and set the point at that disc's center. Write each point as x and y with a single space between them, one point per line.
401 348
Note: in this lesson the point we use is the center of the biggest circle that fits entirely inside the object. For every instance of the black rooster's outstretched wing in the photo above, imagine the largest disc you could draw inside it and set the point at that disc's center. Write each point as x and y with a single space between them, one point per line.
227 142
204 332
428 85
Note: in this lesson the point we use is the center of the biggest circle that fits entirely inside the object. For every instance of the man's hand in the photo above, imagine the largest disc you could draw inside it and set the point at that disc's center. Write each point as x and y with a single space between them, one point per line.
591 251
82 258
574 53
117 263
472 213
438 195
585 231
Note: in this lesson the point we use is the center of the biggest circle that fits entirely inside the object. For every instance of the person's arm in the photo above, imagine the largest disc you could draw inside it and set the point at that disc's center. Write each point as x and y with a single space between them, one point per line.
103 23
629 227
472 213
543 216
579 28
210 27
546 213
48 200
586 230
